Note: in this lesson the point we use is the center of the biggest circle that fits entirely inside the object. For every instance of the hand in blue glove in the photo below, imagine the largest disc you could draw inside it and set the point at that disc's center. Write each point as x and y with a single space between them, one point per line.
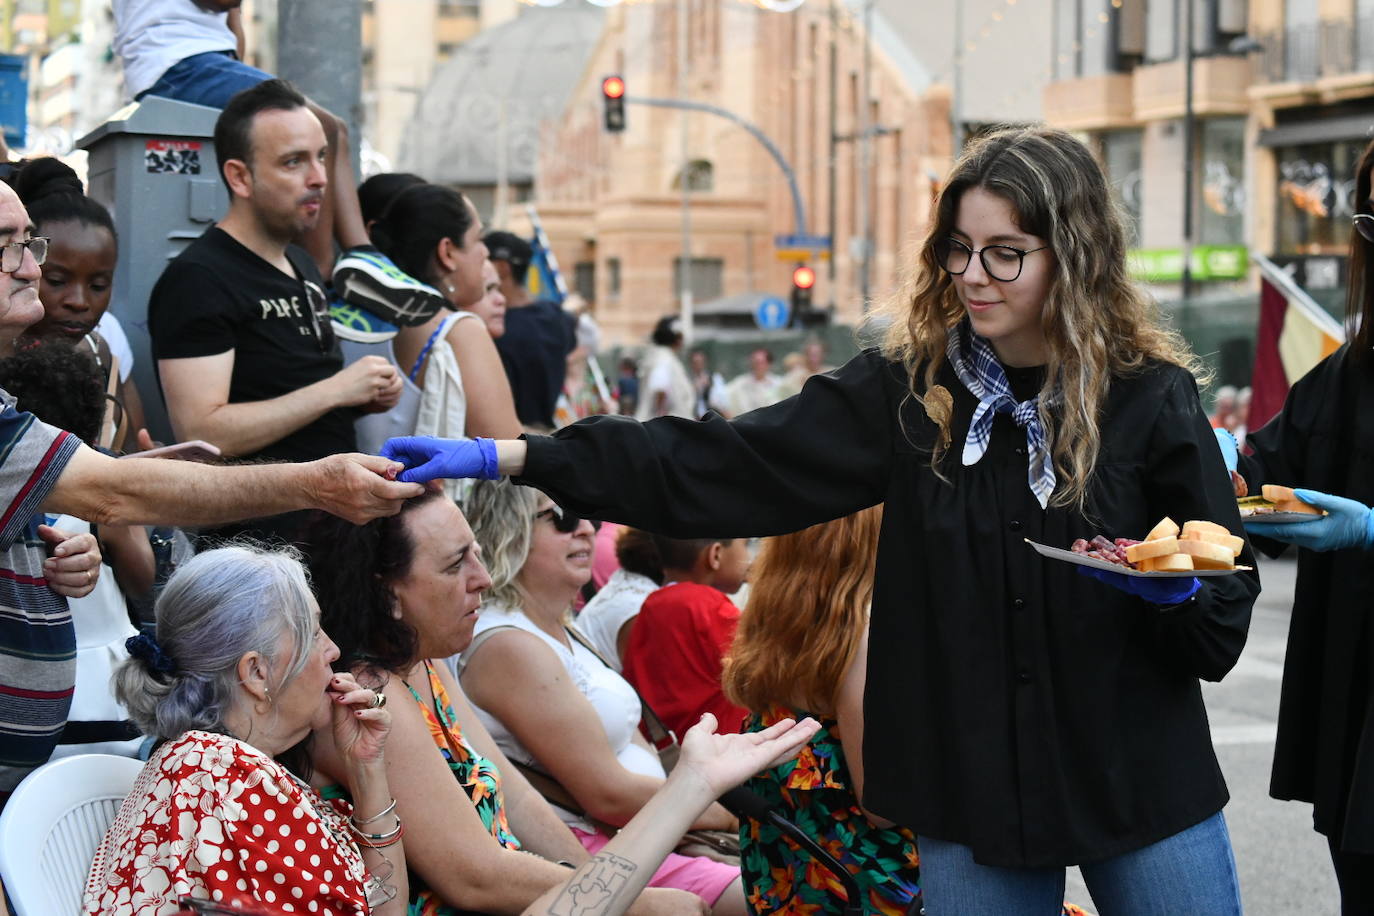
1229 451
429 457
1164 592
1349 523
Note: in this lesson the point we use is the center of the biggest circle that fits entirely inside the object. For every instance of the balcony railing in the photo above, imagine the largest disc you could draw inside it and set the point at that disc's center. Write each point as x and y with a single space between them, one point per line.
1305 53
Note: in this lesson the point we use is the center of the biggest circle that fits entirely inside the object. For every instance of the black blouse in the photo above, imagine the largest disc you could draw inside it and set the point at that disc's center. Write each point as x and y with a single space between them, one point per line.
1036 715
1324 440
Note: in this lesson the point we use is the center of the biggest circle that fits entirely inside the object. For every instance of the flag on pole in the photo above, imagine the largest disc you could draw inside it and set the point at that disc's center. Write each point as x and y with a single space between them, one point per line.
1295 333
544 281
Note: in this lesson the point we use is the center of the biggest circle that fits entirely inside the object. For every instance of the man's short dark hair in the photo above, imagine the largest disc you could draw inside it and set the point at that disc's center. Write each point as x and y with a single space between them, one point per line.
234 129
511 248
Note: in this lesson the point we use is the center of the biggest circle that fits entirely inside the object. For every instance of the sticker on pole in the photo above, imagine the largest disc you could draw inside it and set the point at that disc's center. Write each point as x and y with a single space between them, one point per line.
172 157
772 314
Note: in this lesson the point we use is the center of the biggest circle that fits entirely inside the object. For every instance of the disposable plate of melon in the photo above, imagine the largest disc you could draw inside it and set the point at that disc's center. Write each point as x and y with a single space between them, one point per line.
1200 548
1278 504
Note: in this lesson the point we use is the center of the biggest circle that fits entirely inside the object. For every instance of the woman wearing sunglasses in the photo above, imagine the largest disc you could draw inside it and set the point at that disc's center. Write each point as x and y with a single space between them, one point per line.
1020 717
550 701
1323 440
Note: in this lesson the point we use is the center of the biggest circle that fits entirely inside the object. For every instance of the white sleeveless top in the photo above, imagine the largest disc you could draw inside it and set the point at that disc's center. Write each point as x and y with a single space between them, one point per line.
615 701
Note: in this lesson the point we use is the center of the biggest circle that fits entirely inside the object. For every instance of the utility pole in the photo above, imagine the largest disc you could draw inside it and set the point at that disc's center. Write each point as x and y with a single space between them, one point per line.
956 101
866 163
833 228
319 49
1189 128
685 274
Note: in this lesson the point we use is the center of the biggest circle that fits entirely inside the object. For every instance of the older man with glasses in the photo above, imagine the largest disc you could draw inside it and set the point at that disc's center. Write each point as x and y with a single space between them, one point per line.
46 470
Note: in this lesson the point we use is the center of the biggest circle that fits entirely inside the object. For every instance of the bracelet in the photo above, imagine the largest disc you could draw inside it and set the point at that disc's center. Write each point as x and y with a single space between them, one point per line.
377 837
382 841
376 817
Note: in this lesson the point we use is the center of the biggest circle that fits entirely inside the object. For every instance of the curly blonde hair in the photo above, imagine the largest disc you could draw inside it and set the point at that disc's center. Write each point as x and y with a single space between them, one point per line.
502 519
1097 322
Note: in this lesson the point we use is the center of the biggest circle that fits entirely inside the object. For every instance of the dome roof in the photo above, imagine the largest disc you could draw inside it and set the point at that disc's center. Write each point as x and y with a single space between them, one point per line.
520 72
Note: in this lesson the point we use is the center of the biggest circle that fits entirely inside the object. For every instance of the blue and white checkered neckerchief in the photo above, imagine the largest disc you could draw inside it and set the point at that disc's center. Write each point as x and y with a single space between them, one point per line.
981 373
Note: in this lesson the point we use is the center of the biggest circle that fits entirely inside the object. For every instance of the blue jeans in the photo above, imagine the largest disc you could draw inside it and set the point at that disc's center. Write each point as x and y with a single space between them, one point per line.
1192 871
212 79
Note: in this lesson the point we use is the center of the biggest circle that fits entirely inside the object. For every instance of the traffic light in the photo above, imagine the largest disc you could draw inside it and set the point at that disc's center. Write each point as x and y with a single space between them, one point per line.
613 95
803 279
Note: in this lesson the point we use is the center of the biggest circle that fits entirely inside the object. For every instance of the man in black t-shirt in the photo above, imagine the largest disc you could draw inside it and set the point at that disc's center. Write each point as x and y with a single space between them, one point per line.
539 334
239 322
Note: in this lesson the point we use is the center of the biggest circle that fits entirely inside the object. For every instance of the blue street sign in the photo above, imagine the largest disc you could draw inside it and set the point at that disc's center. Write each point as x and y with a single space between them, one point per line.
811 242
14 98
772 314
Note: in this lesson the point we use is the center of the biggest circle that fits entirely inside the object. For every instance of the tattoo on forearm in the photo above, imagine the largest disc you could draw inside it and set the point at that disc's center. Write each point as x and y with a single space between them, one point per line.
595 886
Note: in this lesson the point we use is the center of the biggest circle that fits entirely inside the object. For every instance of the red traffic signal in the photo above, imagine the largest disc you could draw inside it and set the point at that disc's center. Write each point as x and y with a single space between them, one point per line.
613 99
613 87
803 278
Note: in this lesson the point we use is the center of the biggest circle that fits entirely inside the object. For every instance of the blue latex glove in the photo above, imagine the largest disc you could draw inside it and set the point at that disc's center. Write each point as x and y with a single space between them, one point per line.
1163 592
1229 451
1349 523
429 457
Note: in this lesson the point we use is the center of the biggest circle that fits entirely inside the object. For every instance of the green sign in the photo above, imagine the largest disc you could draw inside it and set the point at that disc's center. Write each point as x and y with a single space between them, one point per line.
1210 262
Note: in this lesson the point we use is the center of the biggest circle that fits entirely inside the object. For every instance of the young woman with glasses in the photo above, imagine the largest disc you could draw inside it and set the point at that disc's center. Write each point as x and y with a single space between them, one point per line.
1323 440
1021 717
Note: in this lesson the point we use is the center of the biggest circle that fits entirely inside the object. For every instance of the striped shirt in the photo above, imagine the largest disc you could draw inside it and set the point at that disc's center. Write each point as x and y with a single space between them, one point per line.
37 640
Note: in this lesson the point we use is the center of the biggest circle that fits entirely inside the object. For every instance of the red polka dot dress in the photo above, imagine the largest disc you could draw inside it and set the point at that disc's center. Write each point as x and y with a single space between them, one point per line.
215 818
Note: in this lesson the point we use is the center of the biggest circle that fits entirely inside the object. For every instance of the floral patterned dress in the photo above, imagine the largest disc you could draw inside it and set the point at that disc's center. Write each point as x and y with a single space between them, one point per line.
215 818
813 788
476 774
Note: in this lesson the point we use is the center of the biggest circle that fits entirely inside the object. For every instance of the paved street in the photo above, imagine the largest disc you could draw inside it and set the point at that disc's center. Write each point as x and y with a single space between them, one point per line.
1284 867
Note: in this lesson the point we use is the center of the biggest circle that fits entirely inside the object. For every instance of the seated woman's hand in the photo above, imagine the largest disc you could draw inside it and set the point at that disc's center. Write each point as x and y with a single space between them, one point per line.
725 761
361 721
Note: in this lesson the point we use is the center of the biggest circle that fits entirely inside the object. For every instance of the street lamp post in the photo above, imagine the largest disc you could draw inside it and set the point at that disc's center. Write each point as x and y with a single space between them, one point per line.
1189 129
685 273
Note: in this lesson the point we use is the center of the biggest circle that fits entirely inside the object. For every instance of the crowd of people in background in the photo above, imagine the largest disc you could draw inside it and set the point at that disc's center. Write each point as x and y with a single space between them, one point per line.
420 629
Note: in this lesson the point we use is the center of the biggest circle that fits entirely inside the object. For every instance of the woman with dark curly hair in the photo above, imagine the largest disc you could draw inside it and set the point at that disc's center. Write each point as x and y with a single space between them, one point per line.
399 595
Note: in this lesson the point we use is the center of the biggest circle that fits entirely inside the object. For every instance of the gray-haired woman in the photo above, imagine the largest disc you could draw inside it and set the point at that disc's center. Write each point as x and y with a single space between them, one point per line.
238 674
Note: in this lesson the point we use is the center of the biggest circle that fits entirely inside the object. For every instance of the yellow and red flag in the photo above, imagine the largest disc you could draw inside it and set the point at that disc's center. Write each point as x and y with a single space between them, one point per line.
1295 333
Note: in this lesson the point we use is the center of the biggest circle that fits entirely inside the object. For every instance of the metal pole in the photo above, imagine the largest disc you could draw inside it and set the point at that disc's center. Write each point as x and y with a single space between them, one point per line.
318 50
833 226
685 274
956 102
1189 127
866 162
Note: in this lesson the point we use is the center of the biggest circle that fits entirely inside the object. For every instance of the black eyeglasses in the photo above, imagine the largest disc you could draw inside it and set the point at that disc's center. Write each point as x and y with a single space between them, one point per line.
12 255
564 522
1000 262
1364 225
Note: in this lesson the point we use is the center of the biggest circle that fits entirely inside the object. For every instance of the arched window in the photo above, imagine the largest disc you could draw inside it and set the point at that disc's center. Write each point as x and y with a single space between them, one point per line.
701 176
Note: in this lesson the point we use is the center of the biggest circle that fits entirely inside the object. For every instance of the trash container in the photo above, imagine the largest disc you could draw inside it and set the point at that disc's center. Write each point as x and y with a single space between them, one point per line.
153 164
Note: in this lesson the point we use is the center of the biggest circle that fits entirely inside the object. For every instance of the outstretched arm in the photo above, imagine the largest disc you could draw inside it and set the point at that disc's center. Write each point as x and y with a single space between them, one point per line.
710 765
135 490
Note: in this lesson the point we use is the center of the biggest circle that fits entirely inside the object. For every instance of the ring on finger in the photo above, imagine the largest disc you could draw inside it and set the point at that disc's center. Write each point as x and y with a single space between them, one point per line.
378 700
90 576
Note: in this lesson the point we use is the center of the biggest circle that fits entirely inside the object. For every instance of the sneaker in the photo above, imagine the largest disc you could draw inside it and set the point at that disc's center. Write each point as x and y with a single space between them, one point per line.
359 325
366 278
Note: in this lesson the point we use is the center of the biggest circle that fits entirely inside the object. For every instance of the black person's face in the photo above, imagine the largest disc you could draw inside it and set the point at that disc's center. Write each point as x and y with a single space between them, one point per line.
77 279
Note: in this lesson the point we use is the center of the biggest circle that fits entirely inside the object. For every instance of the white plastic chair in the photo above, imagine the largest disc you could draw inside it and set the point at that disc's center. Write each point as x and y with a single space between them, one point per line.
52 825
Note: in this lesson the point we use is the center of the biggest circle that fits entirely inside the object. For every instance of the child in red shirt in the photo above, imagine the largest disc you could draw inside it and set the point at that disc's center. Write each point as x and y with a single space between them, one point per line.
673 657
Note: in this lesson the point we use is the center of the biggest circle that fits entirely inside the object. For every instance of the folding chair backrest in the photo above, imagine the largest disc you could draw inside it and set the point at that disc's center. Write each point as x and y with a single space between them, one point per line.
52 825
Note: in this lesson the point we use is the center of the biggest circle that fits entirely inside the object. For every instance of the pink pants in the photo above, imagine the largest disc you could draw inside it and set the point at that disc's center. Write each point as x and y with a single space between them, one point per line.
704 877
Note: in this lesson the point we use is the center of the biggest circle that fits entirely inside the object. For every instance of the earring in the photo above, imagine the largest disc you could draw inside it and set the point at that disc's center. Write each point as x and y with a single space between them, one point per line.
450 288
